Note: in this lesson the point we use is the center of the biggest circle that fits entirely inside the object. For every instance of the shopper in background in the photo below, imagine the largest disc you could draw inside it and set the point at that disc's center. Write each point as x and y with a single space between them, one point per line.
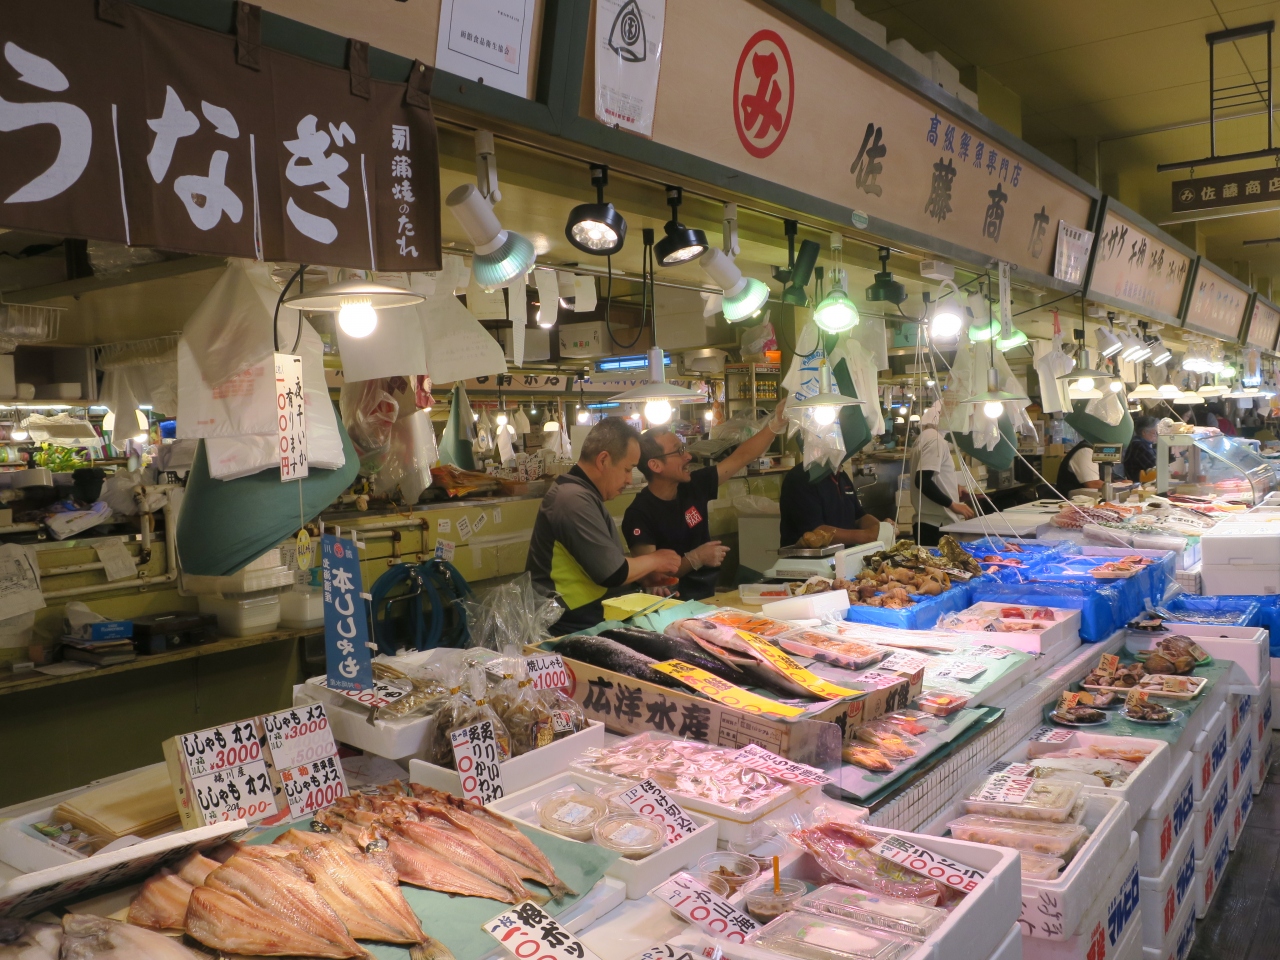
935 493
1221 420
671 512
574 552
1140 455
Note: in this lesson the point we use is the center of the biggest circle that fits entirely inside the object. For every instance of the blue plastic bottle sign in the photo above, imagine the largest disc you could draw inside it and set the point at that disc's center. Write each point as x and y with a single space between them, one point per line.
346 628
478 761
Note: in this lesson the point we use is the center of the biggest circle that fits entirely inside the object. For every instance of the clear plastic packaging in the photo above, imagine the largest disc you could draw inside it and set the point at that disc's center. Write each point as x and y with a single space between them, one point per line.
453 714
882 913
1036 867
737 869
633 836
481 711
841 651
762 847
503 694
765 904
889 740
1015 793
1090 773
1049 839
915 723
567 717
572 813
812 937
941 703
528 720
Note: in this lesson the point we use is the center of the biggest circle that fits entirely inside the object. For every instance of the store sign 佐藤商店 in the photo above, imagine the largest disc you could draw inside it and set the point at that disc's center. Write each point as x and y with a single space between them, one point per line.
1264 325
1226 190
759 100
1133 266
1217 303
144 130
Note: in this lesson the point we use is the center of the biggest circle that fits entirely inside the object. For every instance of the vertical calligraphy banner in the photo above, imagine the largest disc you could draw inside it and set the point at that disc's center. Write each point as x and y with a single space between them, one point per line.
346 631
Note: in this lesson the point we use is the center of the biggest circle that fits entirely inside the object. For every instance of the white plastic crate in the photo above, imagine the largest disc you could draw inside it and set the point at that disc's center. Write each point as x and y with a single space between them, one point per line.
1181 936
1054 909
1163 896
1211 752
1210 868
1114 911
1241 807
1211 812
1168 820
1246 646
1262 708
640 876
1241 758
521 772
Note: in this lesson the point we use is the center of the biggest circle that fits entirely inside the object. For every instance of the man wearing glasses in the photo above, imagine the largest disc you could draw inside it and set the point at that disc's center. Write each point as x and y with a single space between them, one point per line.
671 512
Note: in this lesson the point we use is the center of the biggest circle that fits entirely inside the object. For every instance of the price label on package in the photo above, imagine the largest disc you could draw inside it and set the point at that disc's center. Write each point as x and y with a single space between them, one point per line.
1135 698
241 791
548 673
298 736
1008 784
706 910
477 759
650 800
379 695
963 670
1051 735
989 652
907 664
758 758
530 934
932 865
309 787
1068 700
220 748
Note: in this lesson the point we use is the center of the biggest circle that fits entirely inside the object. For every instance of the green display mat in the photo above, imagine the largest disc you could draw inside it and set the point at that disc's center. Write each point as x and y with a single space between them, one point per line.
1170 733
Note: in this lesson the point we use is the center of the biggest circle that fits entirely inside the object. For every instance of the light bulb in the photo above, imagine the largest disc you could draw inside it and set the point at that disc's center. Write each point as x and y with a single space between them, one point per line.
657 411
1084 383
1116 386
993 409
475 416
824 415
500 419
709 416
946 324
583 415
108 422
357 318
551 427
141 438
17 433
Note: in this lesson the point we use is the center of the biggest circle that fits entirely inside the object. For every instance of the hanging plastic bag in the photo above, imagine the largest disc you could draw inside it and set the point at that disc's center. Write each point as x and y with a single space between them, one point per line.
369 413
410 458
756 340
231 329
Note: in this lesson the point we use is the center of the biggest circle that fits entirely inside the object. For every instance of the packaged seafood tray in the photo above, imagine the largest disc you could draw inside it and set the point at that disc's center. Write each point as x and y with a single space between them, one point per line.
1246 646
976 926
1101 764
1037 838
1113 914
1241 807
841 651
1169 818
393 739
1211 752
1182 934
1054 909
1163 895
1209 815
810 936
1210 869
899 917
1031 629
520 772
1011 790
1163 687
756 594
639 876
1241 764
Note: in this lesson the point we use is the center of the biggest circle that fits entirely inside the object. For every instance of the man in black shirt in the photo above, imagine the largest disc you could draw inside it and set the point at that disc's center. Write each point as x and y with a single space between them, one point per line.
830 505
671 512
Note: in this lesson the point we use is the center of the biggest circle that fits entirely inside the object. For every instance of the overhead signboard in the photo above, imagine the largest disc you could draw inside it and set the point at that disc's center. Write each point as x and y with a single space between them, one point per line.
1264 324
760 100
1226 190
1217 302
1132 266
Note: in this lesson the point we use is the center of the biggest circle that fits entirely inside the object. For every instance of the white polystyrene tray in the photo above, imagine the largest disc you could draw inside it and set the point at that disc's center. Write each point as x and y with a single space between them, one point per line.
1114 911
1241 807
1053 909
811 606
1249 647
1139 790
1063 631
640 876
1241 765
1181 935
1212 750
1210 868
393 739
1011 949
1210 813
1169 818
26 853
1164 895
521 772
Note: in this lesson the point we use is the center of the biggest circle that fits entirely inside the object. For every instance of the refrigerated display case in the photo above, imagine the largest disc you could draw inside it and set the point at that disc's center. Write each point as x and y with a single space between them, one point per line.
1214 466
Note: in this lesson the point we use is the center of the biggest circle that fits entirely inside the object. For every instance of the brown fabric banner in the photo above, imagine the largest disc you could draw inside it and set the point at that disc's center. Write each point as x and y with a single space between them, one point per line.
150 133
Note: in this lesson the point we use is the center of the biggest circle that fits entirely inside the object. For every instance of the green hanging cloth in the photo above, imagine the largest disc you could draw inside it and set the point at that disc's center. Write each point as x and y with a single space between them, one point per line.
1099 431
853 422
459 432
999 458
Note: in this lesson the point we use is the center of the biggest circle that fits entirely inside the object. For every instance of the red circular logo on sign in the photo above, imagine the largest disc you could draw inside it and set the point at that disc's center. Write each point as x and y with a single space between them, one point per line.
763 93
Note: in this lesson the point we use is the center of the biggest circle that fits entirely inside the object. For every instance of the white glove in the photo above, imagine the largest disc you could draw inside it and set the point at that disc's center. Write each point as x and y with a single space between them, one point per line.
779 422
710 554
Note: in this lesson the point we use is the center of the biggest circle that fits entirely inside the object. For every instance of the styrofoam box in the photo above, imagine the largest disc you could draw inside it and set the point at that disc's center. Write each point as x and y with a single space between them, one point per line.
1065 628
812 606
27 854
1168 820
1210 868
1112 913
1240 558
1239 706
1241 807
393 739
1211 752
1053 909
1262 706
1264 767
1140 788
1181 936
1210 813
640 876
1241 759
521 772
1246 646
1130 945
1011 949
1163 896
977 927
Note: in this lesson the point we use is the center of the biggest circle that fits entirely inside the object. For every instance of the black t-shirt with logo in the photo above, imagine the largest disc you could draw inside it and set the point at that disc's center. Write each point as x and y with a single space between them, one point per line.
679 525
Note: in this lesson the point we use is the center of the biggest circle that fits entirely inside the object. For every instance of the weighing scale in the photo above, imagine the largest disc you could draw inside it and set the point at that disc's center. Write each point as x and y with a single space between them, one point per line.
1104 455
801 563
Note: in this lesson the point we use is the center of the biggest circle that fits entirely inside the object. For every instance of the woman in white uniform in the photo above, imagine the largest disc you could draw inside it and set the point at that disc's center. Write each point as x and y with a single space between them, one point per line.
935 494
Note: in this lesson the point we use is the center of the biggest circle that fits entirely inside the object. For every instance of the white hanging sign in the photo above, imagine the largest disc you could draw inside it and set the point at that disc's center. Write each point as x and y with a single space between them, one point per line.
290 417
628 56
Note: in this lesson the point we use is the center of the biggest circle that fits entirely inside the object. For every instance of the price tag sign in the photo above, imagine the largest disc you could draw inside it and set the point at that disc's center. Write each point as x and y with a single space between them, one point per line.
1108 664
239 792
932 865
380 694
650 800
310 787
1051 735
1171 684
561 721
989 652
445 550
291 417
758 758
220 748
1009 784
1134 698
963 670
877 679
1198 652
907 664
530 934
706 910
1068 700
811 682
298 736
548 673
476 758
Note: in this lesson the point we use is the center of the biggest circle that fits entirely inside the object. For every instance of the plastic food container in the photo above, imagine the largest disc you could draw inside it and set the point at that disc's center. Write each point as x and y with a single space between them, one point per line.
302 608
940 703
765 905
736 869
762 850
571 813
631 835
1051 800
899 917
1025 836
812 937
243 616
1037 867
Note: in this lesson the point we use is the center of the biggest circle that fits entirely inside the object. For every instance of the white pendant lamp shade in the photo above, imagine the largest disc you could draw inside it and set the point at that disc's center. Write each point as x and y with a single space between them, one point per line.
356 302
500 255
1144 391
825 405
657 387
993 399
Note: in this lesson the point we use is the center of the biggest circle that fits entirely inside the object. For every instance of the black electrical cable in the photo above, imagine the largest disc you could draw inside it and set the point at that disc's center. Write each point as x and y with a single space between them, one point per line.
1038 306
646 274
275 320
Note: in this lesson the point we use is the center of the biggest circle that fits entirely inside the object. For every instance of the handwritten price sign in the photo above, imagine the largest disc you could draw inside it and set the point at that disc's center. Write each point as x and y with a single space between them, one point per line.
704 909
220 748
478 761
298 736
758 758
527 932
312 786
240 792
650 800
548 673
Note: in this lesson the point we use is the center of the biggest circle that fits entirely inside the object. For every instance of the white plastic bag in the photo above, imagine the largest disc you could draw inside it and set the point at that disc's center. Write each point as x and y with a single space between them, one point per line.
412 454
231 329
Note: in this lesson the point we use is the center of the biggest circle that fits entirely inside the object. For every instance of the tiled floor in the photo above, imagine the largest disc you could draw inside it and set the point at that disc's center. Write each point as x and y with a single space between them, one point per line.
1244 922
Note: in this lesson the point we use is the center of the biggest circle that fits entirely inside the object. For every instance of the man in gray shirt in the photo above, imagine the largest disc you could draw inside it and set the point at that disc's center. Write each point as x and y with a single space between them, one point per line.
574 553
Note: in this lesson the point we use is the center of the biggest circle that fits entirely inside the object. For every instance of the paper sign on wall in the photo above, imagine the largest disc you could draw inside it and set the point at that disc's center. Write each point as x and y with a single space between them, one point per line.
628 56
291 422
488 41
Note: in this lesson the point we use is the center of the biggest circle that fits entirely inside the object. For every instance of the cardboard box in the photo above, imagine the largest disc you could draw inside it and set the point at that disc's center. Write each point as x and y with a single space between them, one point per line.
102 630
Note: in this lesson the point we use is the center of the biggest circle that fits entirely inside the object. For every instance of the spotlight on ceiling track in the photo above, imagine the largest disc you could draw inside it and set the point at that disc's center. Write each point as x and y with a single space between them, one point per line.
884 288
680 243
596 228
